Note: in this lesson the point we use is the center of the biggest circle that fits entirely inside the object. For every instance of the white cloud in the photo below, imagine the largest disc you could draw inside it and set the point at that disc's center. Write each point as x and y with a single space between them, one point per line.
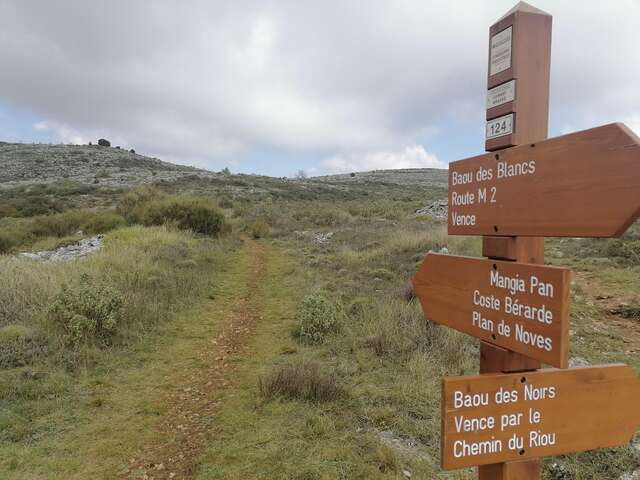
414 156
211 83
633 122
63 133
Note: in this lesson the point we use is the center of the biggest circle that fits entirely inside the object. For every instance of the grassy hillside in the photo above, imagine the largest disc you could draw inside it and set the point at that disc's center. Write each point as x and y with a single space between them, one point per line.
286 344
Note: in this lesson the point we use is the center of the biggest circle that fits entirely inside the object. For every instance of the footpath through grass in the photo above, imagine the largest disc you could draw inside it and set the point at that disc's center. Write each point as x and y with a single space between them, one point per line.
93 422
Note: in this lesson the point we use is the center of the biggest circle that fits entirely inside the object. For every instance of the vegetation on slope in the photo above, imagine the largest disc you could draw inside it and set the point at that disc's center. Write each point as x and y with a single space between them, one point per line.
145 206
356 396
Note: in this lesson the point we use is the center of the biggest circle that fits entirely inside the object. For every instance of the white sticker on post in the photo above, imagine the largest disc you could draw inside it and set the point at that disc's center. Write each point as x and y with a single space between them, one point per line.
500 56
499 127
501 94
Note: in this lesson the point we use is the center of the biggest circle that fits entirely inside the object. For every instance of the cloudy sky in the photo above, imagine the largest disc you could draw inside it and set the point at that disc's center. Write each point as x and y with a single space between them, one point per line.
275 86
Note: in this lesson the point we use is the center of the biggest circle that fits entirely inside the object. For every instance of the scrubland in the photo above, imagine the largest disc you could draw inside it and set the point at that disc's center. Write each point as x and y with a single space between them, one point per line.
340 377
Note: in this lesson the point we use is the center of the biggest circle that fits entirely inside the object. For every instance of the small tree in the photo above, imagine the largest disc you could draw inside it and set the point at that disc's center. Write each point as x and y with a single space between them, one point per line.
226 171
301 175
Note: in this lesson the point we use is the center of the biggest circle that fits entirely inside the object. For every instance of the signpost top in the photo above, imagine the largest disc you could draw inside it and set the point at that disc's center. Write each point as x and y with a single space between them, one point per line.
523 7
519 54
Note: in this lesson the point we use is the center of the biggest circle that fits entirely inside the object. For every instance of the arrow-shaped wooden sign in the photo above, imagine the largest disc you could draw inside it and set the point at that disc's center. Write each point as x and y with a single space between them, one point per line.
518 306
496 417
585 184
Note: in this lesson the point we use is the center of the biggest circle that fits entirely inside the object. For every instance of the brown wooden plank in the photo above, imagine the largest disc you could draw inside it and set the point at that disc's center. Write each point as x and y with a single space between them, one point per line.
520 470
580 409
520 249
479 297
585 184
522 90
494 359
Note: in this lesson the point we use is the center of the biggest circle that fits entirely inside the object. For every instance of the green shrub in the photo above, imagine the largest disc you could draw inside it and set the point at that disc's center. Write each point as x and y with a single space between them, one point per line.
87 313
259 229
7 242
58 225
625 249
152 207
629 311
130 204
187 213
319 317
322 216
16 232
303 381
19 346
103 222
11 333
225 202
8 211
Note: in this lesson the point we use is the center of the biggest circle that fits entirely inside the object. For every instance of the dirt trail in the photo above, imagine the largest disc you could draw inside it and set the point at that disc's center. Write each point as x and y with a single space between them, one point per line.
182 436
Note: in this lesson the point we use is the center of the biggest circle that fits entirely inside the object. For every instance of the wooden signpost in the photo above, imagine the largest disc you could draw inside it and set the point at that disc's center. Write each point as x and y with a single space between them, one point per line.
521 307
500 417
584 184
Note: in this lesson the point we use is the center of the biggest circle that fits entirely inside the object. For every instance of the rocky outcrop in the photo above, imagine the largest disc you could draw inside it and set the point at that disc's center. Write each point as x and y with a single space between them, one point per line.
83 248
423 177
315 237
23 164
438 209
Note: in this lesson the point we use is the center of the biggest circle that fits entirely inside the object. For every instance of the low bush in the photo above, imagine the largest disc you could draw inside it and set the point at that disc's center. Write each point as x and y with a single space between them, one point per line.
225 202
130 203
152 207
8 241
625 249
8 211
103 222
58 225
417 241
388 209
394 328
319 317
322 216
87 313
259 229
629 311
135 282
387 459
199 215
20 346
302 381
23 232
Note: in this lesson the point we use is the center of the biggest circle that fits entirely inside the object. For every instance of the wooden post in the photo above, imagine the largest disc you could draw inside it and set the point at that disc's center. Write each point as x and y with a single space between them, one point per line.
518 83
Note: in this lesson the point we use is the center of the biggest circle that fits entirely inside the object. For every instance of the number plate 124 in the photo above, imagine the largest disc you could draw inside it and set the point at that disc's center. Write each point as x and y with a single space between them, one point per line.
500 126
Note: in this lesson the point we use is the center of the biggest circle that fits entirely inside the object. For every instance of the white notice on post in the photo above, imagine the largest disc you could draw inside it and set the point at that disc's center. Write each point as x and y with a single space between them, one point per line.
500 57
501 94
498 127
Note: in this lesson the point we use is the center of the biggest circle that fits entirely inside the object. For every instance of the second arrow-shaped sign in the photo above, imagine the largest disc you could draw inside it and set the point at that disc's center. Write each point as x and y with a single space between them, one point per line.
518 306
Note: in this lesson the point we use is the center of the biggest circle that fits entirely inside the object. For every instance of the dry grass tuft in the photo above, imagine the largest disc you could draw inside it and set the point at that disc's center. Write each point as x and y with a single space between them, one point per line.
302 381
417 240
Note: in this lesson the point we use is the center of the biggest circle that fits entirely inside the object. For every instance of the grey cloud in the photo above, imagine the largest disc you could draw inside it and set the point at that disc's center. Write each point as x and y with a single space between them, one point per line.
197 80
